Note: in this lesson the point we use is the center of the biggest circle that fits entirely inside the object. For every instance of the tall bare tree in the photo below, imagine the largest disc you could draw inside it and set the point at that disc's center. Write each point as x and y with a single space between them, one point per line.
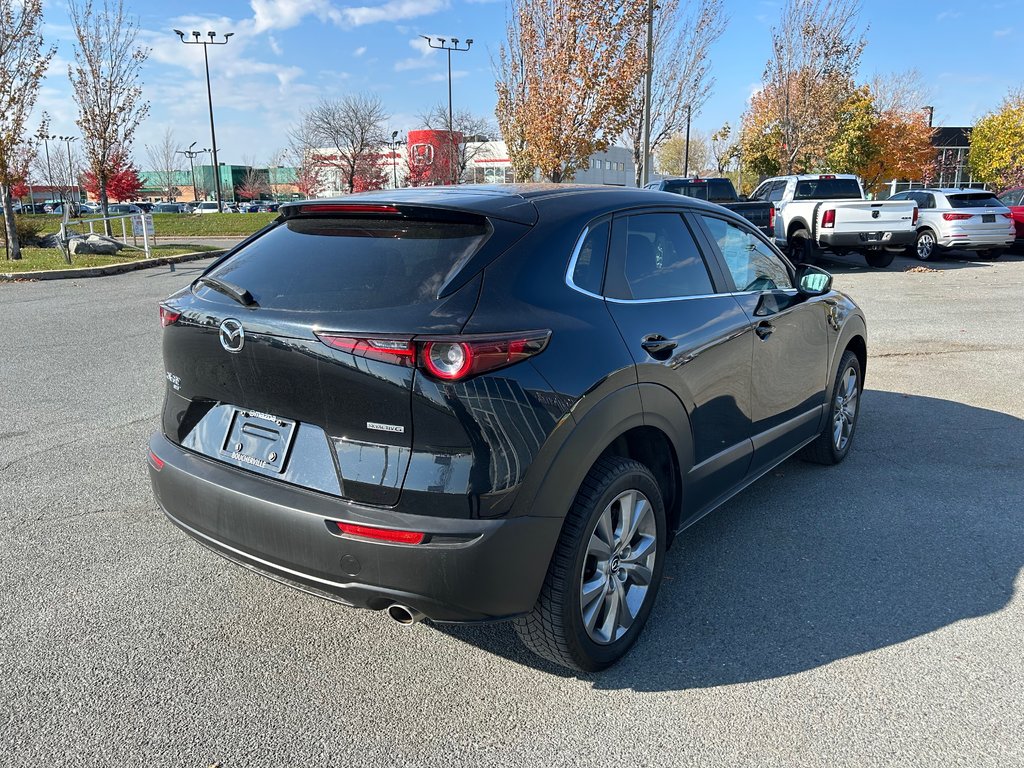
349 128
815 51
473 131
254 181
165 162
302 154
276 174
106 84
565 80
23 63
681 82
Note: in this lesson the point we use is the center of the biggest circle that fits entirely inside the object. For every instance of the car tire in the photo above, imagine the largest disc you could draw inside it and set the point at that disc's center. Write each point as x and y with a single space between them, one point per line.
587 630
879 259
991 254
925 247
833 444
802 248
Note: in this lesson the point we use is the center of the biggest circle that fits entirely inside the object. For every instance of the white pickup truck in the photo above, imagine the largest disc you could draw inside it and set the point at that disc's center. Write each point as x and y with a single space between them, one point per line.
828 211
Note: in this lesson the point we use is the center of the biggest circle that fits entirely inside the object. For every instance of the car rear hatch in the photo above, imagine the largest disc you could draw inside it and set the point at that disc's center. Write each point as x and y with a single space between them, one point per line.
979 213
288 358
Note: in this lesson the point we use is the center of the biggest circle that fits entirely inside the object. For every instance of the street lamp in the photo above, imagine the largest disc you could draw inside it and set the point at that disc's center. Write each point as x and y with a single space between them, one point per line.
394 144
648 76
46 143
71 167
449 45
931 113
209 94
192 155
686 162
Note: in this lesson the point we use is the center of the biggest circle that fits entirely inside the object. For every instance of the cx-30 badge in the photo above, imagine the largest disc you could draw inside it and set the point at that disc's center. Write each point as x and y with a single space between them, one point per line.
232 337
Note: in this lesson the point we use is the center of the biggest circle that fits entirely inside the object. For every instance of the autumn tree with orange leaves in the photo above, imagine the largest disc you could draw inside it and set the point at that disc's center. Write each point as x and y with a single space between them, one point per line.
565 81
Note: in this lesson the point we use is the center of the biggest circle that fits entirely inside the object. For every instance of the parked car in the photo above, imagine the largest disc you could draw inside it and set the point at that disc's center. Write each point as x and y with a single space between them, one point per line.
965 219
482 404
90 208
171 208
1013 199
31 208
721 192
205 207
828 211
123 209
268 207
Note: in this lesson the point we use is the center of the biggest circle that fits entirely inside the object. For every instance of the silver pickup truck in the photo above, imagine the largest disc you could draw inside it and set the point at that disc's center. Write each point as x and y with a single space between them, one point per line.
815 212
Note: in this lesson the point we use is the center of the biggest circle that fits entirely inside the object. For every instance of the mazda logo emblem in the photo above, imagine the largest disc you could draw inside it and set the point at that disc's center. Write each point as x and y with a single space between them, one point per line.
232 335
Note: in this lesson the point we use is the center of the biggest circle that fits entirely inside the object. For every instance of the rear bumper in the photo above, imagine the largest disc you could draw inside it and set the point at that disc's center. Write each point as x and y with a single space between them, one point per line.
974 241
465 570
859 240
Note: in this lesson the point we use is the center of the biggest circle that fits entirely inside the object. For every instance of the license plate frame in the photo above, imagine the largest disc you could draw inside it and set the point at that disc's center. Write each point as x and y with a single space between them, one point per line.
988 218
258 440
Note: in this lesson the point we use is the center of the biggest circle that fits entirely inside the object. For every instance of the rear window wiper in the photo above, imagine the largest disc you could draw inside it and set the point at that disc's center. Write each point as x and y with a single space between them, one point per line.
236 292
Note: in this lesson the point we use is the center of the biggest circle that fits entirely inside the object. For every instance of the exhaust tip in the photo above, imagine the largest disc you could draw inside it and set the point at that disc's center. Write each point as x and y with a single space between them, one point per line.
404 615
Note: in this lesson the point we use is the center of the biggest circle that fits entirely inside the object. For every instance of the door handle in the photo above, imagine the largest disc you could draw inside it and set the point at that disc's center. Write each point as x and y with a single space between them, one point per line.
764 329
655 344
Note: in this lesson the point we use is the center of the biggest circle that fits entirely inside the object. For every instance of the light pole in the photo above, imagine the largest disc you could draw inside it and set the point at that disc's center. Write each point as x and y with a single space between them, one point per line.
71 167
449 45
209 94
686 162
931 113
49 170
648 76
192 155
394 144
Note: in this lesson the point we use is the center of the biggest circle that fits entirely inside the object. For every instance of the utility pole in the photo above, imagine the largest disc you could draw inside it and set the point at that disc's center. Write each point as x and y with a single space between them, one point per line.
686 162
449 45
394 144
648 77
209 94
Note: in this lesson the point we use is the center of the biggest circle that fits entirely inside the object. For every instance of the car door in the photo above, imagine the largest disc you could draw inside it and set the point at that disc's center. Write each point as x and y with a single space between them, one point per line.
687 335
790 357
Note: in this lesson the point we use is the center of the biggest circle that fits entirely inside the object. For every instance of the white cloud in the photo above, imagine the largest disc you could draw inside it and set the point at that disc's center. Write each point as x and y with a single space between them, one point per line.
948 16
1003 32
359 51
391 11
284 14
423 61
274 46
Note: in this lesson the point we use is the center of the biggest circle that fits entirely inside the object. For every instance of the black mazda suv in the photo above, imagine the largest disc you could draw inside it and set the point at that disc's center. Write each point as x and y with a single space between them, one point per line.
475 404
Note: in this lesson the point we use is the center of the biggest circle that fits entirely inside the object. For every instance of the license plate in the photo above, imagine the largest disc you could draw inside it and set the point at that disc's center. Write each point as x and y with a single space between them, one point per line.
259 440
873 237
988 218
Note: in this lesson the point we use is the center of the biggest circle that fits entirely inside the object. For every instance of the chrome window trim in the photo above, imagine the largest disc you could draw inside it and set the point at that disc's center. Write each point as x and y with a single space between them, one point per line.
696 296
572 264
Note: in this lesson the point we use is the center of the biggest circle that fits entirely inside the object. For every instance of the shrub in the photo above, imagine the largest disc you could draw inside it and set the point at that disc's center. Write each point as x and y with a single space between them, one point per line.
28 229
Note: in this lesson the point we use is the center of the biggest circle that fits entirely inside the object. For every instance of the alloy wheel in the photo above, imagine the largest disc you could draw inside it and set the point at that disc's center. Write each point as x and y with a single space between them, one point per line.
925 245
618 566
844 410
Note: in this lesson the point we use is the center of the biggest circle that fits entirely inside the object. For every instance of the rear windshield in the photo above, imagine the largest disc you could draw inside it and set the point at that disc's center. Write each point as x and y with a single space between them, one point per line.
974 200
323 264
827 189
703 190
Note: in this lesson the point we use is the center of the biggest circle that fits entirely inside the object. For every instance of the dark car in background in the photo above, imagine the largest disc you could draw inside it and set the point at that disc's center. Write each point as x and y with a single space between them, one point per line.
171 208
721 192
472 404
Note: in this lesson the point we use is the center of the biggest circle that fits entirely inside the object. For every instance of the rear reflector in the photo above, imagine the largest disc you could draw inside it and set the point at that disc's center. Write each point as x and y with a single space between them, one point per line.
956 216
347 208
382 534
168 316
157 462
828 219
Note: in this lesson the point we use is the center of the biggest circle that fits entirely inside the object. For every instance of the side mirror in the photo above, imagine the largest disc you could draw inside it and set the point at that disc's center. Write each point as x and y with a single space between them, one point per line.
812 281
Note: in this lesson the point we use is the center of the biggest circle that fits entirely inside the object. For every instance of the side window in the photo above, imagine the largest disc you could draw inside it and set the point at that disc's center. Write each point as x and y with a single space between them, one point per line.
927 200
588 273
761 192
752 264
660 259
776 192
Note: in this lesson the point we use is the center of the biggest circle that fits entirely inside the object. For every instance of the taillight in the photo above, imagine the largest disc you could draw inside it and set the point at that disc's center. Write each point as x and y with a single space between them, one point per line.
397 351
381 534
157 462
827 176
828 219
446 358
916 213
771 219
168 316
1007 215
956 216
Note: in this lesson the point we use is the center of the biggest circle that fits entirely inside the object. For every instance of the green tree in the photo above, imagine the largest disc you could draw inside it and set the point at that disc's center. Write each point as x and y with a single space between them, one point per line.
853 146
997 144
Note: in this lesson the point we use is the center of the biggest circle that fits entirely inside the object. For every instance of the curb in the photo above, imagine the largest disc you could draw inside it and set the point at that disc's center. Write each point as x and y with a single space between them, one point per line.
109 269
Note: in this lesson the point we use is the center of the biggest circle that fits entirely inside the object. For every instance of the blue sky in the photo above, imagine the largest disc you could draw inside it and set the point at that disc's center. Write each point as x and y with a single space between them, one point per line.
285 54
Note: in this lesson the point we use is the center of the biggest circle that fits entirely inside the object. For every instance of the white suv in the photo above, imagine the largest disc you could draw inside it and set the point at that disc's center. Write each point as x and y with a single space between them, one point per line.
965 219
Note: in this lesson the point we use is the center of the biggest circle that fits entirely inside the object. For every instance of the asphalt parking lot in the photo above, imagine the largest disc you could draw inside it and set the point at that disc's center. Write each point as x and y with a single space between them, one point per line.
869 614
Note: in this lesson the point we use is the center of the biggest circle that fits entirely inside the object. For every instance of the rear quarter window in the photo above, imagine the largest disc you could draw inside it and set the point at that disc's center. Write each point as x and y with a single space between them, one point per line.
328 264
